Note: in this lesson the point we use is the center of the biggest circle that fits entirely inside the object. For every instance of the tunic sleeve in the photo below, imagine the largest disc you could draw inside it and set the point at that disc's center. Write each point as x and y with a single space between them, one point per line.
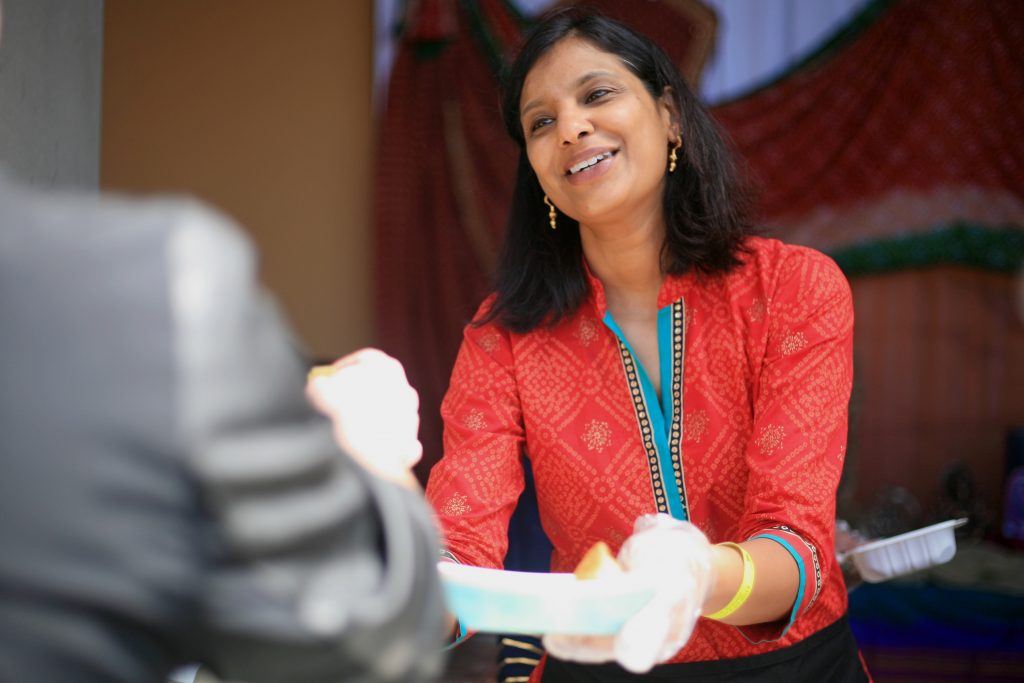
795 455
476 484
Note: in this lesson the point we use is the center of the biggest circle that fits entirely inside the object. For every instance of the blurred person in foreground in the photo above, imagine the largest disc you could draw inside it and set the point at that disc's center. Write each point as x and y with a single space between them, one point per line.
678 383
167 492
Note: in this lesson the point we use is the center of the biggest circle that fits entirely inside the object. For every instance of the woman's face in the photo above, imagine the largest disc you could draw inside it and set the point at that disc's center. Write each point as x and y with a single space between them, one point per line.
595 137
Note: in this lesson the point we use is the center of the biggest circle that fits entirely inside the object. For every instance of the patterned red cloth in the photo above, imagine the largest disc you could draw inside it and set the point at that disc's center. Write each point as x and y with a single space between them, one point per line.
756 433
914 121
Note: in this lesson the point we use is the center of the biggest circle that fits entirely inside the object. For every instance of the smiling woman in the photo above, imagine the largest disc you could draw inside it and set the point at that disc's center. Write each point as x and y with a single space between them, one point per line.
678 383
601 126
563 113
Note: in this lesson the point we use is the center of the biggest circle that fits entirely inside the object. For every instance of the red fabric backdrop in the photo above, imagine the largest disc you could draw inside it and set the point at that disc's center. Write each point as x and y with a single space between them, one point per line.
911 119
914 117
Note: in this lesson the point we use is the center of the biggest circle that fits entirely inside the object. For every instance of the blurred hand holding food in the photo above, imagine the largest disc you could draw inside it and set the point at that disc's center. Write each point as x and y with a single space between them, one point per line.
374 410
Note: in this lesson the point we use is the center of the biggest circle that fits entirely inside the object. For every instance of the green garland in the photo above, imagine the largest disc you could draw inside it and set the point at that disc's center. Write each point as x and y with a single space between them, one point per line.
479 28
999 249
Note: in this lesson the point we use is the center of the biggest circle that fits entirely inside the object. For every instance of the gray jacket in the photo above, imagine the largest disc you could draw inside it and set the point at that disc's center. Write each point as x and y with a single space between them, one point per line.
166 493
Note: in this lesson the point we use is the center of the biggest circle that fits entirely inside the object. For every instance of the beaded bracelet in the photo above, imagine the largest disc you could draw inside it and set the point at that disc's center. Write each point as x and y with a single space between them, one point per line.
746 585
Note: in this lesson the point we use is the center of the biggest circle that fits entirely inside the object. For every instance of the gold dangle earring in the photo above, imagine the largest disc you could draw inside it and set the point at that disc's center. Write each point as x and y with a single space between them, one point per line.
552 214
672 154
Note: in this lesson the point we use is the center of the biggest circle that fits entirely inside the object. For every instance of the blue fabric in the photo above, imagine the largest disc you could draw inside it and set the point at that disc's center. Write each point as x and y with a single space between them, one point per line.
518 657
665 358
660 412
929 616
529 549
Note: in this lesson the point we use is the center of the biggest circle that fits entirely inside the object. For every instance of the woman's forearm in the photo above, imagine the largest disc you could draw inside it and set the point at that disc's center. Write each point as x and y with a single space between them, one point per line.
775 582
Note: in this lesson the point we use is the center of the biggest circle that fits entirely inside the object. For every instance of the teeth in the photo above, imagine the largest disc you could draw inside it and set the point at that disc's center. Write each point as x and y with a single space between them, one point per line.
588 163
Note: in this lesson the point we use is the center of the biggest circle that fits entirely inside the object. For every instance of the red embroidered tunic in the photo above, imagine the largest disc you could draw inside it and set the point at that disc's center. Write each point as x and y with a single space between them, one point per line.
746 439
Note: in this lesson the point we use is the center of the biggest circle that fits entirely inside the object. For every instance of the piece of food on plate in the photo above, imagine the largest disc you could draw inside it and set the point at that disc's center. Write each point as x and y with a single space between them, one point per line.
320 371
598 563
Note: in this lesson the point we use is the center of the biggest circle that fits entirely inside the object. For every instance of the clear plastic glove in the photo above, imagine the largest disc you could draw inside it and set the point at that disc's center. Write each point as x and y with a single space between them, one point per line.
675 557
374 410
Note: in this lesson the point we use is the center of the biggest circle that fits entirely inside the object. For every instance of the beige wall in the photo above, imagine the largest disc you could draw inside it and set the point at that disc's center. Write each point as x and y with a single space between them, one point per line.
263 109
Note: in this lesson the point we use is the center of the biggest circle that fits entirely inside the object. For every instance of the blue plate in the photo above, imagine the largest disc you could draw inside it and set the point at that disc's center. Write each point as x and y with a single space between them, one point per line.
496 601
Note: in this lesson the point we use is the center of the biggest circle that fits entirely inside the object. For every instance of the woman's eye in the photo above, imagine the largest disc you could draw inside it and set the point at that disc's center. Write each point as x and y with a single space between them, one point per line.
597 94
539 123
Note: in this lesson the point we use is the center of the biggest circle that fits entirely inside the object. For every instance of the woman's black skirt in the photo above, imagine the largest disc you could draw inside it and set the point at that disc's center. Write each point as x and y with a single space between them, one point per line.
829 655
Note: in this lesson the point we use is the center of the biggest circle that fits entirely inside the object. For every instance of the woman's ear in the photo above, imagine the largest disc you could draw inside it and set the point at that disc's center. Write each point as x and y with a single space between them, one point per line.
670 112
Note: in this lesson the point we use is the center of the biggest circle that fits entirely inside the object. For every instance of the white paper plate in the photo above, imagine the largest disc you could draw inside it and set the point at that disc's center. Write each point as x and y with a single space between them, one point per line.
919 549
496 601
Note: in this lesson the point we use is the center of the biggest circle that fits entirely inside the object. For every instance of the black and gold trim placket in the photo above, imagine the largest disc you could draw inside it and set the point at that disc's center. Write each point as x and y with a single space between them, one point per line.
675 440
643 419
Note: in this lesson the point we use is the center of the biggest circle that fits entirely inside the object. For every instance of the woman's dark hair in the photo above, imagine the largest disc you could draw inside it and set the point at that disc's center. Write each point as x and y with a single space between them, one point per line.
540 277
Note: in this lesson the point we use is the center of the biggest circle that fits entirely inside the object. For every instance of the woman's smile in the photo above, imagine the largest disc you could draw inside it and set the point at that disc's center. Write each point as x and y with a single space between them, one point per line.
593 166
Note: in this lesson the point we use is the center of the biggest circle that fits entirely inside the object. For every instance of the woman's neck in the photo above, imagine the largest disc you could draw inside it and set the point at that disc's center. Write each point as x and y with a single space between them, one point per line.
627 261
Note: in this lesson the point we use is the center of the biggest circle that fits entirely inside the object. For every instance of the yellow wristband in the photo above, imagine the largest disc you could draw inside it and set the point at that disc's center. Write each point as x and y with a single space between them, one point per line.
746 585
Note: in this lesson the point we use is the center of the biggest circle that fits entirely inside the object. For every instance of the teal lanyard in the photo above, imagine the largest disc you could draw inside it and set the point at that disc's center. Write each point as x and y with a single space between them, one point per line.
660 407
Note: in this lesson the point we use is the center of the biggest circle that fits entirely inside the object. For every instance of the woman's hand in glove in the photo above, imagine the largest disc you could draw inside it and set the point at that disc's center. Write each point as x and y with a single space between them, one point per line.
374 410
674 557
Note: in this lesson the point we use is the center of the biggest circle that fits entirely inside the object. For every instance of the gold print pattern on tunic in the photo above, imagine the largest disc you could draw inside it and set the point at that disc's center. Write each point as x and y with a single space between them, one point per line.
756 310
696 425
792 343
455 506
771 438
586 332
597 435
489 342
475 420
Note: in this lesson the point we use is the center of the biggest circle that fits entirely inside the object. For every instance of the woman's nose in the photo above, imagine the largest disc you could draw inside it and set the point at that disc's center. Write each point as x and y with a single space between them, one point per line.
573 126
